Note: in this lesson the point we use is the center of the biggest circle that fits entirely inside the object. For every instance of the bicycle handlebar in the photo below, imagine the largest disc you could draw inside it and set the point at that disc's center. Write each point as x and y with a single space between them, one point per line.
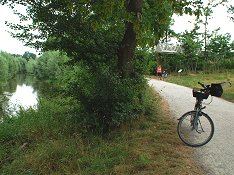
214 89
204 86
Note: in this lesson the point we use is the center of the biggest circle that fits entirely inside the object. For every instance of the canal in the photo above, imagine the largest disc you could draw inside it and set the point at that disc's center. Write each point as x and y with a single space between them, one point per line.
19 92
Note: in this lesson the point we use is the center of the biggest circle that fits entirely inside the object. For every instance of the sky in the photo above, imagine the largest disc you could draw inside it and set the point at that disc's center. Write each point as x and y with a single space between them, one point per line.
12 45
8 43
218 19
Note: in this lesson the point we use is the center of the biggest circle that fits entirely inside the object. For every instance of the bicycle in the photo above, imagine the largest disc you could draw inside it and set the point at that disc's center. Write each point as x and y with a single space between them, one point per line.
164 74
196 128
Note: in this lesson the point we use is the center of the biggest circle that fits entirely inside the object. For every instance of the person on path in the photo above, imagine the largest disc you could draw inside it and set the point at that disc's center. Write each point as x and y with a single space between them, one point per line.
159 72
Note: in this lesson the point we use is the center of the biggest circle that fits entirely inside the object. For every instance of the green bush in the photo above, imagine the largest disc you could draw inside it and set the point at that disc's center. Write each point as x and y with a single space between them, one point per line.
13 64
10 65
227 63
50 65
22 65
106 99
30 66
3 68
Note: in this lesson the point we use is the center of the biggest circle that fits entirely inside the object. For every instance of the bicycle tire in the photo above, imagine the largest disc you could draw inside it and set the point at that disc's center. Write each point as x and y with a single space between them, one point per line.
191 136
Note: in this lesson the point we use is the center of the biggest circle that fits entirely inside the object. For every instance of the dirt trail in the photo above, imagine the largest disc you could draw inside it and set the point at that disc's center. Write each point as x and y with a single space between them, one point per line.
217 157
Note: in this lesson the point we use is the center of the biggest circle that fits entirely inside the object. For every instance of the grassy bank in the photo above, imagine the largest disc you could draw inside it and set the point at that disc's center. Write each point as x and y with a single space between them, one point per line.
47 141
191 80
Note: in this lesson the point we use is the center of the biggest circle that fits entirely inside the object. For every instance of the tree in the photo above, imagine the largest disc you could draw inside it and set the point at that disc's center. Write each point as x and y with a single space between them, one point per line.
231 12
10 65
28 55
192 46
106 27
30 66
220 46
3 68
207 12
101 37
129 41
49 65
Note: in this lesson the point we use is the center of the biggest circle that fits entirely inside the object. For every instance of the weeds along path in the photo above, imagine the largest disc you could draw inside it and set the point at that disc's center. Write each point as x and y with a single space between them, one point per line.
217 157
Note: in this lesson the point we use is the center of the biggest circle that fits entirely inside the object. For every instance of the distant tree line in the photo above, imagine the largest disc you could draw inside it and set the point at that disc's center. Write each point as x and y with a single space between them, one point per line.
218 55
11 65
48 66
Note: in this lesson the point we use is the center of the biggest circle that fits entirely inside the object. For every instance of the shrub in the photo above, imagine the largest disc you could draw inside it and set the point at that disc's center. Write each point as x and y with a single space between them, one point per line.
106 99
13 64
30 66
227 63
22 64
10 65
3 68
50 65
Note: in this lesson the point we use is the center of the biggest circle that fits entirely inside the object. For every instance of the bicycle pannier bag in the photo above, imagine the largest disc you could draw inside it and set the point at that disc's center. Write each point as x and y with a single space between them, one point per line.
200 94
216 90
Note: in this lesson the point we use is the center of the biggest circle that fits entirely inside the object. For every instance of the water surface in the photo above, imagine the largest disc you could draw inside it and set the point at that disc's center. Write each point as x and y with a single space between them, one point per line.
20 92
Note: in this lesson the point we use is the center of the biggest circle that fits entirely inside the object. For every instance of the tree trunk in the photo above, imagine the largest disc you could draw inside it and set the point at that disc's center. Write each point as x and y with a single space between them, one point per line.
129 42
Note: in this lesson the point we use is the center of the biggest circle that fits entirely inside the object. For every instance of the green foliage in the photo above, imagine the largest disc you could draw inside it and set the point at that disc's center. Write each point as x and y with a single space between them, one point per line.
219 54
227 63
191 46
47 141
22 65
231 12
142 161
10 65
103 36
28 55
31 66
155 21
220 46
3 68
190 59
49 65
172 62
91 28
95 28
145 61
106 99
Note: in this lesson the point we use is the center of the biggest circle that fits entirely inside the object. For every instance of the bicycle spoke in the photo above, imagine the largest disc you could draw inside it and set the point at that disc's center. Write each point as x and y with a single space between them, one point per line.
195 135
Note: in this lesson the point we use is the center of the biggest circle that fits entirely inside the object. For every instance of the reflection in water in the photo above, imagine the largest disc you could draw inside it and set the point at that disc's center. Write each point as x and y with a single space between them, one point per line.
24 97
16 93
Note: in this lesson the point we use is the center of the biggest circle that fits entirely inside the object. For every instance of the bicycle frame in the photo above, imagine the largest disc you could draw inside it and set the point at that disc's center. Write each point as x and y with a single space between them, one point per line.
198 108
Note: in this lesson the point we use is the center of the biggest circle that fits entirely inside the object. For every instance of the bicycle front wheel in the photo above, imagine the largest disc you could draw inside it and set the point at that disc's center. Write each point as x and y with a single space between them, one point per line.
198 134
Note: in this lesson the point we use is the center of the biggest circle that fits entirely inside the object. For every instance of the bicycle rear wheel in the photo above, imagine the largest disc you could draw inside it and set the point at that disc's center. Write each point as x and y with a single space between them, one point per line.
195 137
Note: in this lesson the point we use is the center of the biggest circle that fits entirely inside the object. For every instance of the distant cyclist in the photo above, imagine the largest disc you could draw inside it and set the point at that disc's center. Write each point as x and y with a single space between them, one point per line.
159 72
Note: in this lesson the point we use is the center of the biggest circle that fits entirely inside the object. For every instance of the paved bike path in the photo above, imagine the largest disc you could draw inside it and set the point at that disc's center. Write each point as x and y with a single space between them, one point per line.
216 157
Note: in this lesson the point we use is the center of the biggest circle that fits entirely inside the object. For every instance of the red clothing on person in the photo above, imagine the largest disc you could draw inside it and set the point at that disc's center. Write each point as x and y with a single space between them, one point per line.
159 69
